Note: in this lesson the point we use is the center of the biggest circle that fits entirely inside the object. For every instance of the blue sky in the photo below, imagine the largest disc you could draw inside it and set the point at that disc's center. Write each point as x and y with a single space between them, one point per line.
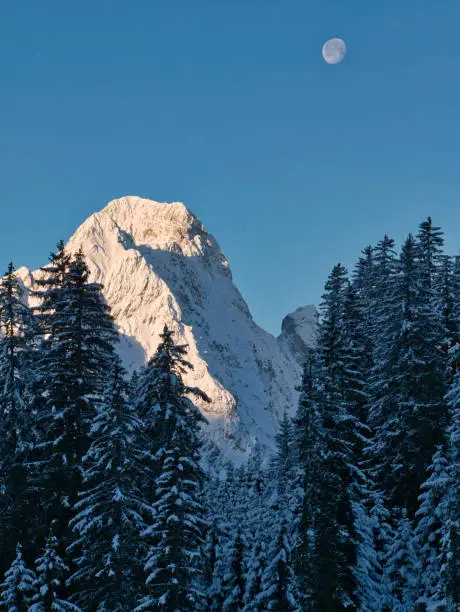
227 106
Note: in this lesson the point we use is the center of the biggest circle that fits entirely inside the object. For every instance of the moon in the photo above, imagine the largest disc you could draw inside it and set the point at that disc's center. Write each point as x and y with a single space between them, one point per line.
334 50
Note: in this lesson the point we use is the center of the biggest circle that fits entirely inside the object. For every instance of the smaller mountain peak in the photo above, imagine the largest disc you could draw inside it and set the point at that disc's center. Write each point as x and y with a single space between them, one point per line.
298 331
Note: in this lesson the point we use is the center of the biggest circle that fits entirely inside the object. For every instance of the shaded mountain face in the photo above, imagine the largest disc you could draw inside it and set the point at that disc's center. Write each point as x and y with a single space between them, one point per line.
298 331
158 265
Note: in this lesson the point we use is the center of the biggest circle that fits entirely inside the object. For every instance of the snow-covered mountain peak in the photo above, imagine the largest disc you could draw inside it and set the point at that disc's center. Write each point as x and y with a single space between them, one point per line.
161 226
158 265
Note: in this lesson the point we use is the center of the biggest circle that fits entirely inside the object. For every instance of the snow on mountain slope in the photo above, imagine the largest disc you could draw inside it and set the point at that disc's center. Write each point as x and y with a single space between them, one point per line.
158 265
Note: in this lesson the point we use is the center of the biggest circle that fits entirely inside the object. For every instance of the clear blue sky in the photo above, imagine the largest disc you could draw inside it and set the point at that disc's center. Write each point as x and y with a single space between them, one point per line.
227 106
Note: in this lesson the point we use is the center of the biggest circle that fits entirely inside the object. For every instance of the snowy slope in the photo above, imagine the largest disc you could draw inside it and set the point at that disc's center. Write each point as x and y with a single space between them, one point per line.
158 265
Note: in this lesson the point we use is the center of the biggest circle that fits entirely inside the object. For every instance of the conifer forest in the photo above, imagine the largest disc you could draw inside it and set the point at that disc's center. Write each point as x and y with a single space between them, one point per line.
112 499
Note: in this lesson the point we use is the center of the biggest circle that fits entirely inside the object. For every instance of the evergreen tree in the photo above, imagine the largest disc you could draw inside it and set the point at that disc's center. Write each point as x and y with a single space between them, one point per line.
403 567
215 586
364 285
356 366
383 305
18 589
234 584
278 582
285 459
76 355
385 329
430 243
429 531
253 500
108 520
212 560
16 424
176 534
254 576
47 288
412 415
383 537
222 509
449 561
335 555
447 297
309 441
368 568
326 546
51 576
155 383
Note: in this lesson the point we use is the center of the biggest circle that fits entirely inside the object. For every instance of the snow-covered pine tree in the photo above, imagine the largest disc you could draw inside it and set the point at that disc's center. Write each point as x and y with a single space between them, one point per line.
76 354
225 517
286 456
176 535
214 583
368 569
234 583
239 503
430 243
309 442
108 521
326 546
212 559
428 532
47 287
215 510
255 570
363 273
383 536
447 296
356 367
403 566
278 591
357 362
385 330
16 424
51 574
253 501
411 416
335 549
255 470
383 305
364 284
335 537
18 588
449 559
156 382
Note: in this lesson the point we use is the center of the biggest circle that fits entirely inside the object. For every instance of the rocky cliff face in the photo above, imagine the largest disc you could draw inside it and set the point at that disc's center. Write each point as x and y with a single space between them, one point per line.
298 332
158 264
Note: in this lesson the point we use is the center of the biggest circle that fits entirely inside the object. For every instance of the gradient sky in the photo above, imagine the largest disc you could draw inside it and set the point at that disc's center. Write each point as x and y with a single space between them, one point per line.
227 106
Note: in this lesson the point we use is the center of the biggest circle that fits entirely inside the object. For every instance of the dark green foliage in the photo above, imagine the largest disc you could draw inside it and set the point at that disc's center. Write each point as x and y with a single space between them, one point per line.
16 419
411 417
74 360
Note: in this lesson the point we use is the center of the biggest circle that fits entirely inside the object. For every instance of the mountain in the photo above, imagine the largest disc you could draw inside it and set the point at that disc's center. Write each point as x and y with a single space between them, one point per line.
158 264
298 331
